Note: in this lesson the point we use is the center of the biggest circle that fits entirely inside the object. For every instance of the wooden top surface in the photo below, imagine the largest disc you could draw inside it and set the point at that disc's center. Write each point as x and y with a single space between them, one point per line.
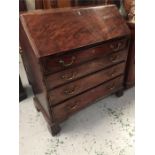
58 30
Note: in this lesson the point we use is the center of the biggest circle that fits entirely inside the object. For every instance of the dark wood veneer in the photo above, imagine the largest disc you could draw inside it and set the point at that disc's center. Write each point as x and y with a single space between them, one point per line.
74 73
51 64
63 111
64 92
91 41
130 69
75 32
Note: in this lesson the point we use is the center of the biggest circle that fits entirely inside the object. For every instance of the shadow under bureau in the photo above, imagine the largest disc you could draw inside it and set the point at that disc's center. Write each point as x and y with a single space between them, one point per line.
73 57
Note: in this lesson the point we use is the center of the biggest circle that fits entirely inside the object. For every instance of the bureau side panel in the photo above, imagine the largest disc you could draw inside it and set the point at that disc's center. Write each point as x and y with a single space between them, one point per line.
32 66
130 68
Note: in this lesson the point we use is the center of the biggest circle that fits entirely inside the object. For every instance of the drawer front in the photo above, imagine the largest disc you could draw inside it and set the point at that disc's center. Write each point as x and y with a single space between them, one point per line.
54 64
69 90
84 69
67 108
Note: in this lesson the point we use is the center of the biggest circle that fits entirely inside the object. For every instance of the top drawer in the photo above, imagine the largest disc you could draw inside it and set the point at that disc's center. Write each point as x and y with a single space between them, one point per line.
57 63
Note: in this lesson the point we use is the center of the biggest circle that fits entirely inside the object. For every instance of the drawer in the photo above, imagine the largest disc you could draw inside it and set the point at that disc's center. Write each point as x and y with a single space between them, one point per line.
52 64
84 69
69 90
67 108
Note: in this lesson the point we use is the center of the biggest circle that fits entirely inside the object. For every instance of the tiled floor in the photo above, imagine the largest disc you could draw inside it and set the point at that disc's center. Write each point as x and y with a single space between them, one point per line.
104 128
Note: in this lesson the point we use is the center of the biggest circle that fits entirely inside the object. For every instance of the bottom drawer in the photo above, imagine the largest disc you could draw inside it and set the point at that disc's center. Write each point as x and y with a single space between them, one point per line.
65 109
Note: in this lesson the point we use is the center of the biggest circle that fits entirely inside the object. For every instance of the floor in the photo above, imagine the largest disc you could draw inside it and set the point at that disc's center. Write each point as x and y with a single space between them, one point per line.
104 128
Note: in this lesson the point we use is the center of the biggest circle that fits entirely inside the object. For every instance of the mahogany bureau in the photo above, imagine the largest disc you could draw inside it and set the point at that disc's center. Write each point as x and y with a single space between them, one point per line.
73 57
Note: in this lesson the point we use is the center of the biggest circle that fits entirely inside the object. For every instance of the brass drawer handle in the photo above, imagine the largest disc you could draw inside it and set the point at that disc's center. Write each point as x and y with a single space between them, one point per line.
112 87
67 64
70 91
67 77
116 47
112 74
114 58
74 107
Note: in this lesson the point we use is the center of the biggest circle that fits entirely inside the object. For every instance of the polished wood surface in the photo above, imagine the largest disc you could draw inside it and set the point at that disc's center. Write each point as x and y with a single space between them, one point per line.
53 52
80 28
63 111
67 91
61 62
34 72
74 73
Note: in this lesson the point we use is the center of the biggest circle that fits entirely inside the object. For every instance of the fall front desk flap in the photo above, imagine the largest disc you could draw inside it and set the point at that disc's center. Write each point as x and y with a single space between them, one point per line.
70 28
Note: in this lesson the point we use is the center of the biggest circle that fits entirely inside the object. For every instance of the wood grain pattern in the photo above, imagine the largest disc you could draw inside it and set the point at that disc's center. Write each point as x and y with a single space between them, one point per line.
63 111
34 73
81 27
85 40
74 73
67 91
51 64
